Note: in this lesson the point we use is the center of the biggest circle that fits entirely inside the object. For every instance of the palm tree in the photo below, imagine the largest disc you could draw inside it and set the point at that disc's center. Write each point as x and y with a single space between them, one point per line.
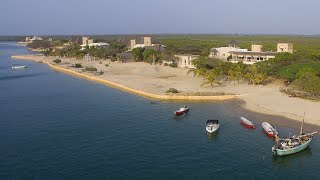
199 72
212 77
235 73
254 75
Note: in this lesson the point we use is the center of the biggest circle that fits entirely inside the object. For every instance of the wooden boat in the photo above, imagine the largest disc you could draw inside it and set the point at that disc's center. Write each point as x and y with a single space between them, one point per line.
18 67
269 129
212 126
295 144
181 111
247 123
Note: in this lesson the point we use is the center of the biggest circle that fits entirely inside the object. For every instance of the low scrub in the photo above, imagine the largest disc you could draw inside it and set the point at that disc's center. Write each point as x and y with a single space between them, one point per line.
172 90
57 61
78 65
91 69
173 65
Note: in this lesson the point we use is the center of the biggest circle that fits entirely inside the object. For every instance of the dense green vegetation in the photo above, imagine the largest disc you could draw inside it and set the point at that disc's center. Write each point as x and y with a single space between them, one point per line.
288 67
146 55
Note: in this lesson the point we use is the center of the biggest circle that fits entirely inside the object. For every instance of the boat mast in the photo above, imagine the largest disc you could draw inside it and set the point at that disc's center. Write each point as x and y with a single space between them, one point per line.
302 123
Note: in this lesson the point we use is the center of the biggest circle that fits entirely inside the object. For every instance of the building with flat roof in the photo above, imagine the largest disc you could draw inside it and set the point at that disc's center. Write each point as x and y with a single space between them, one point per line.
88 42
144 42
234 54
285 47
224 52
185 60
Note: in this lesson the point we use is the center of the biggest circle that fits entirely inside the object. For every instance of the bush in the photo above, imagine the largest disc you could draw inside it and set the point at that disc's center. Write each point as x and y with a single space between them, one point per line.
90 69
166 64
57 61
173 65
172 90
78 65
100 73
107 65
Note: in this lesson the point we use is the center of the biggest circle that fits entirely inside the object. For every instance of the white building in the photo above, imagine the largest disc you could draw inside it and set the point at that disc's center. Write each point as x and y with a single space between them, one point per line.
185 60
257 55
34 38
87 41
96 45
224 52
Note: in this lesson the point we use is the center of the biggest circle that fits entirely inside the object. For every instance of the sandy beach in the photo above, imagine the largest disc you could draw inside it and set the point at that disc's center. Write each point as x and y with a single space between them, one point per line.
154 80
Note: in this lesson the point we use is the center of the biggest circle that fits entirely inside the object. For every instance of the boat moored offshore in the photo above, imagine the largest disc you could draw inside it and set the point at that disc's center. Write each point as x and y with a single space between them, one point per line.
181 111
18 67
269 129
247 123
212 126
295 144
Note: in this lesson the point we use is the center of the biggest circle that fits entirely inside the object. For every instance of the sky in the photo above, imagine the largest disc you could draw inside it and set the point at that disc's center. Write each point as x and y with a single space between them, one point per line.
67 17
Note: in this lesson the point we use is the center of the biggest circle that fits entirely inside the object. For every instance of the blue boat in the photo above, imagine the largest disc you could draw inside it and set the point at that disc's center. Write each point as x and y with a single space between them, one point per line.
292 145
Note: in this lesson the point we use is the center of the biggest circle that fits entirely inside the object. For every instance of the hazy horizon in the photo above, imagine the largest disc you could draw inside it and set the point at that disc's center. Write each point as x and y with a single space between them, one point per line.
116 17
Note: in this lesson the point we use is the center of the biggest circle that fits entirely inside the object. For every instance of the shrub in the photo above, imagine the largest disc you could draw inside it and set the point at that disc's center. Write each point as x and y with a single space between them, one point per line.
165 64
57 61
100 73
172 90
173 65
90 69
107 65
78 65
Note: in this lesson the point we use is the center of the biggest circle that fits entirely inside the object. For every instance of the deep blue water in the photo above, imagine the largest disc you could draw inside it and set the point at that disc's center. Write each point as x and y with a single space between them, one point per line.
55 126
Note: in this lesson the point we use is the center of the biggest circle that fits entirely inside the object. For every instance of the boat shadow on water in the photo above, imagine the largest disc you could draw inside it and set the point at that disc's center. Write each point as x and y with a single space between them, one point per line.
3 78
212 136
181 117
286 161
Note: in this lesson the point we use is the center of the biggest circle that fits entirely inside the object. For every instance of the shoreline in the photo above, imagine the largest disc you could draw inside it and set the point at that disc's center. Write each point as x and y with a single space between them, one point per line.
123 87
265 100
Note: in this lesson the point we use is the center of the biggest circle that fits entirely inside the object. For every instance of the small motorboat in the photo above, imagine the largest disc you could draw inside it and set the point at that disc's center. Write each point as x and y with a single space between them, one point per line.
247 123
212 126
271 132
18 67
181 111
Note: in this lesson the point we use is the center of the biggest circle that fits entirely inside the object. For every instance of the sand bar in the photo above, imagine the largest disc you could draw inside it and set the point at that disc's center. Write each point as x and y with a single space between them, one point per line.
153 80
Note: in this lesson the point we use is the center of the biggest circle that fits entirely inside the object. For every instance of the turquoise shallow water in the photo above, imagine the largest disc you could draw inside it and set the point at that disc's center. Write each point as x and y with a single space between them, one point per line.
55 126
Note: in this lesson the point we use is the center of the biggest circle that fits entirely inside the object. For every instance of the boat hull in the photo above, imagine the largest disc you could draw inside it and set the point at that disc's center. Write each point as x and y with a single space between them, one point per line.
294 150
268 129
268 134
246 124
178 113
212 130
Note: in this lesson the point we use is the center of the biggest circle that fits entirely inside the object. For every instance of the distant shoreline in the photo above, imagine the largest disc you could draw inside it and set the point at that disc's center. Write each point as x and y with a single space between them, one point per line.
123 87
152 81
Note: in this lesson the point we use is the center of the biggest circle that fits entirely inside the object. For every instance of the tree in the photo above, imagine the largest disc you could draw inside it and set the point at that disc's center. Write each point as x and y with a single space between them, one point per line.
307 79
212 77
199 72
254 75
137 53
235 73
151 55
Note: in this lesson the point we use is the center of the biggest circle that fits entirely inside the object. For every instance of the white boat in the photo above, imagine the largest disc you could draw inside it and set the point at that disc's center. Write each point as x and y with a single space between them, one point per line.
18 67
269 129
212 126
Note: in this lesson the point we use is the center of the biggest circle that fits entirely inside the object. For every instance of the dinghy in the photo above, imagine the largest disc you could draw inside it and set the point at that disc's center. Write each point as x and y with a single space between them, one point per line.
181 111
269 129
212 126
247 123
18 67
